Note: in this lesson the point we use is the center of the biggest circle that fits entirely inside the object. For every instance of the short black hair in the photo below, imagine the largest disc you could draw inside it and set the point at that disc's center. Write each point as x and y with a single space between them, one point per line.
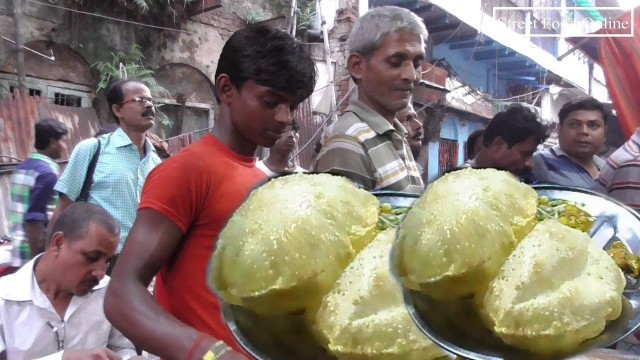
47 130
514 125
115 94
584 103
471 141
269 57
76 218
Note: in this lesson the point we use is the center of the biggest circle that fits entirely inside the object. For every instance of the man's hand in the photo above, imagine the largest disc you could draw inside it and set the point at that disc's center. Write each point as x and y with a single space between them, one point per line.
93 354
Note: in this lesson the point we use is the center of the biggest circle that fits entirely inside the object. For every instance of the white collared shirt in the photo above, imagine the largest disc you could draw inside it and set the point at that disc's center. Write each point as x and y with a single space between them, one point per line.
263 167
25 312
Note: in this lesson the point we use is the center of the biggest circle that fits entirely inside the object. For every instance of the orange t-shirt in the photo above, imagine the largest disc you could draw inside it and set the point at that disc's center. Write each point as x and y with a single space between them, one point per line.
198 189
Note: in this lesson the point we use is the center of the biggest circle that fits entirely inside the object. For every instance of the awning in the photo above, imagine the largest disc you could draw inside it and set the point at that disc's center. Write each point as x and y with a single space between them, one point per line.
619 60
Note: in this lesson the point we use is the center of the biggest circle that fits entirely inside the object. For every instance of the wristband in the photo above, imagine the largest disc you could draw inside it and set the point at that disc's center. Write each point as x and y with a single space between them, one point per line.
216 351
195 346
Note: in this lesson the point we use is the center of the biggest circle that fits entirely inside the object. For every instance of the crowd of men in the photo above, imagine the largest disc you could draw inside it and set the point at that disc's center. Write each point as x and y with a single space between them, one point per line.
120 210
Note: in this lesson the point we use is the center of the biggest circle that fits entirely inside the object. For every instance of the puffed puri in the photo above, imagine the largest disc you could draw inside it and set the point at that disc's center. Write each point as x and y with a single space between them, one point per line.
364 316
286 245
556 290
458 234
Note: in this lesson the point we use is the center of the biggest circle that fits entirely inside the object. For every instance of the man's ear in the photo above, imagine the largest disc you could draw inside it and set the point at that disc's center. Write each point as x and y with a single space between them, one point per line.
356 64
498 143
117 110
224 88
58 239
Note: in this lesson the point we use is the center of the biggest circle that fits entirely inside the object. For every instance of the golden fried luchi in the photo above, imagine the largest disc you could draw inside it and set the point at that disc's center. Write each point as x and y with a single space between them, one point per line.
364 317
556 289
500 190
285 246
458 234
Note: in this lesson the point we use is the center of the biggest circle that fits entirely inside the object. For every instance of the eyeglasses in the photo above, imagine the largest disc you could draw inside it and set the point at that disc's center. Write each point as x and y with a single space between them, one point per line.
140 100
59 332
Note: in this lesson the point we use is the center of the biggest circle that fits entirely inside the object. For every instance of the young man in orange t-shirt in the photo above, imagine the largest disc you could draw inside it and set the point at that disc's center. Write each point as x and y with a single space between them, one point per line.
262 76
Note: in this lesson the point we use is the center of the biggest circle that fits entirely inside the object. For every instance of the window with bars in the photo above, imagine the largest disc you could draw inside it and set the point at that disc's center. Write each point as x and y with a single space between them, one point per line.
448 158
67 99
32 92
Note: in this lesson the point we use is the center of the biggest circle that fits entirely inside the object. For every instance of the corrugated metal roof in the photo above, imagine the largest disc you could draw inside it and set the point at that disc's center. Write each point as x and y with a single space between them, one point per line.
18 115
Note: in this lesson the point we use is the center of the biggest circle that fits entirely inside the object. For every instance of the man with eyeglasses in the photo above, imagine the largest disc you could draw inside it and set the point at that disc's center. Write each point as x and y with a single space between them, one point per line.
52 307
125 158
279 161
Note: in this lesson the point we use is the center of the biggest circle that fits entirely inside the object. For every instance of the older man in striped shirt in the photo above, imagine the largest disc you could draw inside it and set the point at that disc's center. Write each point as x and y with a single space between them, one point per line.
367 143
620 176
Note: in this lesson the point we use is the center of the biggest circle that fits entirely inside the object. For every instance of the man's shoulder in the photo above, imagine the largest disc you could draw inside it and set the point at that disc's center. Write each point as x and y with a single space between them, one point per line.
622 157
351 125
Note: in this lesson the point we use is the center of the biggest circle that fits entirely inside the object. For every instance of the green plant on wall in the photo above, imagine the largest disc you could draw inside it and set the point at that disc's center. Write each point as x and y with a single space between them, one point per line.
305 10
149 9
129 65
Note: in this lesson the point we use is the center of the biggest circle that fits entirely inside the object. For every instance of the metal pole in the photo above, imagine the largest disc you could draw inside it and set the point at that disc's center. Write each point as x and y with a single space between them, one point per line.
292 18
17 20
327 56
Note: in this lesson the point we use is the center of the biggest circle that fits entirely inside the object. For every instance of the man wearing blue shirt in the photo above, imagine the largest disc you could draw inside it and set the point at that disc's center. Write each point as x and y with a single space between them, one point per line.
581 135
126 158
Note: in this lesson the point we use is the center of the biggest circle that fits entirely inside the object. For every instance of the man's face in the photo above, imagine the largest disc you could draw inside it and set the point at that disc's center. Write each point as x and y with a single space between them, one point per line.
261 114
415 133
83 262
286 143
582 133
58 147
136 111
518 159
387 78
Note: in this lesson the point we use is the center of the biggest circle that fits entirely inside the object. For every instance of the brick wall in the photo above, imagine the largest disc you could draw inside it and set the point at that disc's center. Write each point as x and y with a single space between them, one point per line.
223 20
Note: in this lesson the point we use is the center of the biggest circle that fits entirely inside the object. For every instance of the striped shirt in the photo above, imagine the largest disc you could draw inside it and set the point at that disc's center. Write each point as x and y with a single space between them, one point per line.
620 177
118 178
554 166
32 199
363 146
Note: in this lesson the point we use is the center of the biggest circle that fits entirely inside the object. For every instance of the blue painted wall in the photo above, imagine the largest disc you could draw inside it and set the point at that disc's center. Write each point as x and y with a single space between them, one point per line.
472 72
455 126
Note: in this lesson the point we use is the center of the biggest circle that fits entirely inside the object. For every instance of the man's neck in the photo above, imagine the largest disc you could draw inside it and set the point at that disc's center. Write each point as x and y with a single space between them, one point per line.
279 163
43 152
370 103
59 298
482 160
585 161
137 139
230 137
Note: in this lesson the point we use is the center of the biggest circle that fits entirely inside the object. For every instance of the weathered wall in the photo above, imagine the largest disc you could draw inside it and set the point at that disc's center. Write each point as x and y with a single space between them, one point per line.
198 43
346 16
68 66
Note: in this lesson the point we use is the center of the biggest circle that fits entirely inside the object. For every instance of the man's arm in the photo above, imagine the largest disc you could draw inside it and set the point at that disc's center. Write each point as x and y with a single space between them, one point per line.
120 344
70 182
540 170
36 215
625 184
128 304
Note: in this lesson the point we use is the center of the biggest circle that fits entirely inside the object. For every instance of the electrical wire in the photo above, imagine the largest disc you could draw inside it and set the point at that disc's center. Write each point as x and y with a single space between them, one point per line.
321 127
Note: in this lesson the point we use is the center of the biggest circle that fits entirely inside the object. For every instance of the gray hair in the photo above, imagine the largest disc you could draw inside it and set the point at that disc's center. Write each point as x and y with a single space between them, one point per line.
371 28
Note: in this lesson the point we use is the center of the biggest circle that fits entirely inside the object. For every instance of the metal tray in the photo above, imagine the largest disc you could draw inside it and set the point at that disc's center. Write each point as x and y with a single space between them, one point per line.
286 337
440 321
